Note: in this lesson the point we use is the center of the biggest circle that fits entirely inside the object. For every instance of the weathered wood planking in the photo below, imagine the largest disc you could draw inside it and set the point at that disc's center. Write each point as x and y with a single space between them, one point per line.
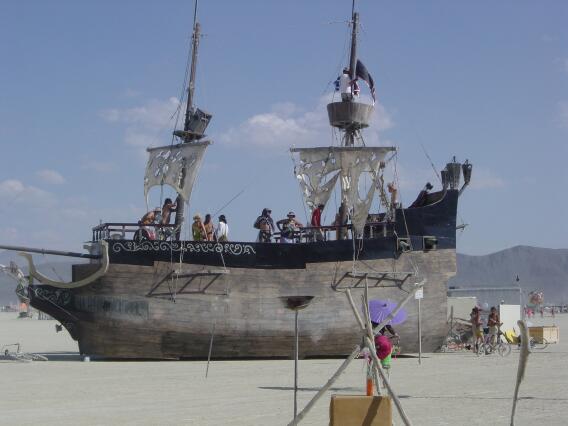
120 320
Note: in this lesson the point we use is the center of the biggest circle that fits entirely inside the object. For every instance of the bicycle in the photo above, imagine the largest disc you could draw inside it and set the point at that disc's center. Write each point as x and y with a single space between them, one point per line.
538 343
454 342
21 356
499 346
534 342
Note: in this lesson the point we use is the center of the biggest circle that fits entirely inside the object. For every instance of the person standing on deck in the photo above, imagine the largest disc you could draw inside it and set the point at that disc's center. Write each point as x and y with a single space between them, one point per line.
288 228
167 210
197 229
222 231
316 222
266 227
209 227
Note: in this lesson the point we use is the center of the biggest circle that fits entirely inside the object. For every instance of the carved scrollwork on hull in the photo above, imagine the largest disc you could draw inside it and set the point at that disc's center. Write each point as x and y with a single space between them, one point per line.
56 296
235 249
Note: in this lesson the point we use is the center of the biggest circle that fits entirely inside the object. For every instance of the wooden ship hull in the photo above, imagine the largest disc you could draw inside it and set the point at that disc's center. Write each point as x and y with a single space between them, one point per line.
169 299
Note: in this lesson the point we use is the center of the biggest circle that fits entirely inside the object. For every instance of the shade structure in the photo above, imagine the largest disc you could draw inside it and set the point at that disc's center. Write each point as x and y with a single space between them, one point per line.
379 310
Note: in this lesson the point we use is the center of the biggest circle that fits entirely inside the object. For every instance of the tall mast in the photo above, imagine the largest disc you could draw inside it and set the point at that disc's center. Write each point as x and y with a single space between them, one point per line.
188 136
350 131
191 86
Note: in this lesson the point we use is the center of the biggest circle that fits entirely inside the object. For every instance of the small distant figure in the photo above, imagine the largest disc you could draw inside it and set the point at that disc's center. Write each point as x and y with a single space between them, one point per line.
338 223
344 85
197 229
422 198
265 225
222 231
541 312
288 228
493 323
209 227
476 327
316 222
552 312
393 191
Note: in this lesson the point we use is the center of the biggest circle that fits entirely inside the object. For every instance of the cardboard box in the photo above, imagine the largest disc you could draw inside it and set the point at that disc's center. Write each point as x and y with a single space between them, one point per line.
551 334
360 410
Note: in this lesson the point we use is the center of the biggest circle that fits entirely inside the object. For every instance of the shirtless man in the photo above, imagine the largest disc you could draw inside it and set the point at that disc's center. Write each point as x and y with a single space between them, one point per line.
266 226
167 210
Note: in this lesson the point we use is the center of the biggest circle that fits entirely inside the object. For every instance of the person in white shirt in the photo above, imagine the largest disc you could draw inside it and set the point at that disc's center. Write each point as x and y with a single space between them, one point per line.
348 89
222 231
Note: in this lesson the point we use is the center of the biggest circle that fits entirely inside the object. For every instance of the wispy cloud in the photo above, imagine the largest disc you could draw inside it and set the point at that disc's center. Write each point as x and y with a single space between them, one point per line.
50 176
145 125
13 191
287 124
154 114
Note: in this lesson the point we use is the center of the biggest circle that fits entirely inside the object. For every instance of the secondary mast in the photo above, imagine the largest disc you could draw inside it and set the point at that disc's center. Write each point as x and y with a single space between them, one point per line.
196 120
349 115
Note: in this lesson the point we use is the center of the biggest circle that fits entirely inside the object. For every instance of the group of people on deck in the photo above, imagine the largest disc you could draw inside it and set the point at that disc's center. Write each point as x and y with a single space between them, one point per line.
289 227
201 231
207 231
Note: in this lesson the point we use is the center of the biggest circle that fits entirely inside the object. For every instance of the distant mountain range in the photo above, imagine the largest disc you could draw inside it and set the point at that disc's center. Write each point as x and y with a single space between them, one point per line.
537 268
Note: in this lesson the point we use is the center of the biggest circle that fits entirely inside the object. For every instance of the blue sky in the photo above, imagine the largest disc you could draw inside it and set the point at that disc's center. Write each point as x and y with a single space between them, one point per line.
86 86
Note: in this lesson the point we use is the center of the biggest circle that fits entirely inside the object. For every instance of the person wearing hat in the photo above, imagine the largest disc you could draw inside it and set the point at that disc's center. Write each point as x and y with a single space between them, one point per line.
197 229
222 231
288 228
150 218
265 224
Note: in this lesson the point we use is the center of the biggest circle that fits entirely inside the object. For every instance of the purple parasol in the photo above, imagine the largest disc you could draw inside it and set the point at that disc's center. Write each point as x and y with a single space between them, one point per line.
380 309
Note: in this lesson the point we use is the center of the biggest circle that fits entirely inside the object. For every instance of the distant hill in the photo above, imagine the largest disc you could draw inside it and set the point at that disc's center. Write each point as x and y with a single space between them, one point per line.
538 269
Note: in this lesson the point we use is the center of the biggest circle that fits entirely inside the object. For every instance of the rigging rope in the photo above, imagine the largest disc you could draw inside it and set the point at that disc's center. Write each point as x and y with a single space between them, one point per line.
412 263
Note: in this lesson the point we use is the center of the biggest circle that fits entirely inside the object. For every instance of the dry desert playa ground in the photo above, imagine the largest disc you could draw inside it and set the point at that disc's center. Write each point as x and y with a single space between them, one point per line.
446 389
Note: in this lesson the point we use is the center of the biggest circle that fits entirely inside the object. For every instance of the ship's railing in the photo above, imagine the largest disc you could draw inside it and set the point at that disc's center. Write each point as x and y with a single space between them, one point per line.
308 234
119 230
127 230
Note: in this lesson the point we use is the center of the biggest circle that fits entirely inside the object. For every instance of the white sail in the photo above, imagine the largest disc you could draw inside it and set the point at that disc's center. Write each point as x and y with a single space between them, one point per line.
318 169
174 165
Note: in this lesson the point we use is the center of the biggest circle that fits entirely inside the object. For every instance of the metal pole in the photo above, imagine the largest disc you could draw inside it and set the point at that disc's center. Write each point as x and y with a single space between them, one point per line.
296 368
419 334
46 251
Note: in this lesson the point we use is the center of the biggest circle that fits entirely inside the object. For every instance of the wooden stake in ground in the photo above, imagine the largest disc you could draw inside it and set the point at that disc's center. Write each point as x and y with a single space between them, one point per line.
523 359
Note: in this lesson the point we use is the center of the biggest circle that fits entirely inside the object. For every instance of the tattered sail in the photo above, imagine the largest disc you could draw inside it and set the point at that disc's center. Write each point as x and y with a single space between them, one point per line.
174 165
319 169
